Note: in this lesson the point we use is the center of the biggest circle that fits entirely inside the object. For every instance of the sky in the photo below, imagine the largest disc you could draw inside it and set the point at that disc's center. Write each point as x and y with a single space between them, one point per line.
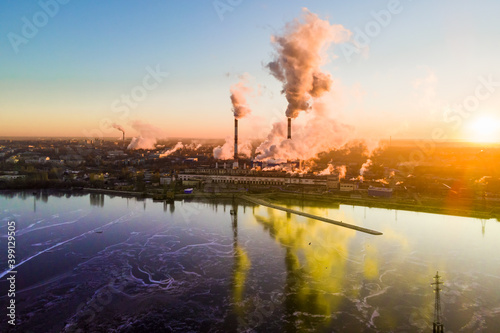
410 70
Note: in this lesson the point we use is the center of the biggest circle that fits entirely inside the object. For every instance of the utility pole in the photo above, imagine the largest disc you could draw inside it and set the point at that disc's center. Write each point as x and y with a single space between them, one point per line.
437 326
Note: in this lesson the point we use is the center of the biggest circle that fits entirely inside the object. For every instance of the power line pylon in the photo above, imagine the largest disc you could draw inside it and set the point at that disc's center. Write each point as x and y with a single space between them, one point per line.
437 325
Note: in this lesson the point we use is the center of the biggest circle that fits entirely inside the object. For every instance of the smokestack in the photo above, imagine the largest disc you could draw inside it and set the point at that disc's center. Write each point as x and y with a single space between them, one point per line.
289 128
235 164
123 136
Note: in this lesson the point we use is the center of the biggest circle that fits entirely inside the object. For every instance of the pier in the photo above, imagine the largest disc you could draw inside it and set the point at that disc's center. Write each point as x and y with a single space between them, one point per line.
319 218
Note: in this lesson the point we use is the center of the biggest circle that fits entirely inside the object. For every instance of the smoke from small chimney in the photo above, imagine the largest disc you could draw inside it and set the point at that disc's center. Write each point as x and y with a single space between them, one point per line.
118 127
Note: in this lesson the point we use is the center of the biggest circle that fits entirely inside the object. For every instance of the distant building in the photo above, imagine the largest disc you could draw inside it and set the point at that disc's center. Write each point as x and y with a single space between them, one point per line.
332 182
255 180
12 177
348 187
381 192
116 153
13 159
165 180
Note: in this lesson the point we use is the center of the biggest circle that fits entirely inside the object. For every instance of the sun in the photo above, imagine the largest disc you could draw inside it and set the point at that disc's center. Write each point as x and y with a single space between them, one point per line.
484 128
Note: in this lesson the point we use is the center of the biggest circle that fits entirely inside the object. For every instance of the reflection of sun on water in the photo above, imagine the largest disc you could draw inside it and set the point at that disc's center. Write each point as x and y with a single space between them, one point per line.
485 128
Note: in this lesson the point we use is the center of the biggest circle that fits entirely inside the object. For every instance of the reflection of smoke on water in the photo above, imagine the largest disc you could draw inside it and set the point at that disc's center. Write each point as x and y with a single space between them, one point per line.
315 261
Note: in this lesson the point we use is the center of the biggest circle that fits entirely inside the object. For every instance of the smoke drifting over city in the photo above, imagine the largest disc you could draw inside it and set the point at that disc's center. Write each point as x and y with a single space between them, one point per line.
239 91
118 127
178 146
301 50
299 55
148 135
365 167
313 133
226 151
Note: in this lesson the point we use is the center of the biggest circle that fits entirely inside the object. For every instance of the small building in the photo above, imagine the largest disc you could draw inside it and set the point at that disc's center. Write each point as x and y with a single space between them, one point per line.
348 187
332 182
381 192
165 180
192 182
12 177
116 154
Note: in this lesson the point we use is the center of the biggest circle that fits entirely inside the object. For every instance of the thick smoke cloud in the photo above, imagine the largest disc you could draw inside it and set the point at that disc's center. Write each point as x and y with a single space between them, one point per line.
299 57
314 132
300 53
331 169
239 91
226 151
148 135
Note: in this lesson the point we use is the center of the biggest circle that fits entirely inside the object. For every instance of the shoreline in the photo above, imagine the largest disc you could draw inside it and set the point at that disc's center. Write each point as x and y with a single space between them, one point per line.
296 199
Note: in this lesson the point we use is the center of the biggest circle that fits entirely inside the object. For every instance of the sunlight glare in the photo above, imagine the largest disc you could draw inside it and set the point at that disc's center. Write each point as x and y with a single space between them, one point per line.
484 129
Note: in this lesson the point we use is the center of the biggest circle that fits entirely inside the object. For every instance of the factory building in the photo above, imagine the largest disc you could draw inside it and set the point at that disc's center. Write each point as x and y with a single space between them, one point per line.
348 187
256 180
333 182
381 192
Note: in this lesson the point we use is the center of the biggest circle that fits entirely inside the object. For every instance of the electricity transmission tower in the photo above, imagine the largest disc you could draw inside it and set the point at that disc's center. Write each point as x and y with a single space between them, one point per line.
437 325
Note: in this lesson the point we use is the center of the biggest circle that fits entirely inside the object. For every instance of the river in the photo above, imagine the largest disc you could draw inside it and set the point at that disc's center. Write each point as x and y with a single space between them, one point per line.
94 262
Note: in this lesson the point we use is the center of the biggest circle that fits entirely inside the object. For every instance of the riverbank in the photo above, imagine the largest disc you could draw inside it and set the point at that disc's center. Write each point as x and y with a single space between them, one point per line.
437 207
427 205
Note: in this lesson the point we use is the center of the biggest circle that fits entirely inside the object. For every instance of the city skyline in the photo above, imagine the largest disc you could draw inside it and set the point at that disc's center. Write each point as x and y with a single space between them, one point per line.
72 69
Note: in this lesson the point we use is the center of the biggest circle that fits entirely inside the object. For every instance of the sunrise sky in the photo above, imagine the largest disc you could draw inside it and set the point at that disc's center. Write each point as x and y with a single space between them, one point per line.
65 69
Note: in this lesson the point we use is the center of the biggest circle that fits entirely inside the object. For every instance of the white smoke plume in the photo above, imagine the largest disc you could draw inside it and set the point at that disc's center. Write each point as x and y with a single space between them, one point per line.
382 181
299 57
365 167
239 91
118 127
226 151
193 146
314 132
297 65
148 135
331 169
288 168
178 146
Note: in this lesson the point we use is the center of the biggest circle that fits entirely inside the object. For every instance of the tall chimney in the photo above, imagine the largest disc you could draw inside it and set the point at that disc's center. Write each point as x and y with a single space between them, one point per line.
235 164
123 136
289 128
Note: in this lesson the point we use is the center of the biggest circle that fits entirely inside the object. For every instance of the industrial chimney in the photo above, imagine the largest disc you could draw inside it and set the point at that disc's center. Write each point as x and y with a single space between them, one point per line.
123 136
289 128
235 164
